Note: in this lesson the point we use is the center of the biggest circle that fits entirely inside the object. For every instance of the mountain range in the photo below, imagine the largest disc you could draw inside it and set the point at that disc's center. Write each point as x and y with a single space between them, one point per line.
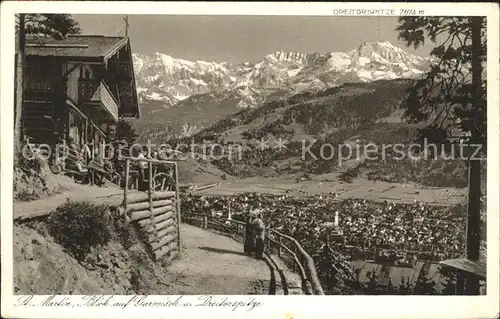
177 90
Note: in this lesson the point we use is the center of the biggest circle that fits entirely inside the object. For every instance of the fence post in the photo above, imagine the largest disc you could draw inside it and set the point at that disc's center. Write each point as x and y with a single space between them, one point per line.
268 242
178 207
295 267
205 222
150 186
280 239
299 258
102 147
125 189
308 287
150 200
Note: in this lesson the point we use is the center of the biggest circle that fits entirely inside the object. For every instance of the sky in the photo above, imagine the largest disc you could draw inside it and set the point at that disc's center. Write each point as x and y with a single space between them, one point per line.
237 39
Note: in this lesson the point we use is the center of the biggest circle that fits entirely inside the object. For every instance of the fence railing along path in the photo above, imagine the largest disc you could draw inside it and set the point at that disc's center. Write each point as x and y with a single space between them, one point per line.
156 212
287 248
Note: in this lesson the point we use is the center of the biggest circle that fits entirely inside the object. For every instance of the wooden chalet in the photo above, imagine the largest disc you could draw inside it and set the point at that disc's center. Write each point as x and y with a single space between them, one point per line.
77 88
466 269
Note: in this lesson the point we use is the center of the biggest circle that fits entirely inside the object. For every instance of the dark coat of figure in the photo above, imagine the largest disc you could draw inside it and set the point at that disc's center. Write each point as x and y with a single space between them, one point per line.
260 230
249 244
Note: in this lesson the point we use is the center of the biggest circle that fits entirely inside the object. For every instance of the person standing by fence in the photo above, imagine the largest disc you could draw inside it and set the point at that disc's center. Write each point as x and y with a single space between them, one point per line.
260 230
249 244
142 165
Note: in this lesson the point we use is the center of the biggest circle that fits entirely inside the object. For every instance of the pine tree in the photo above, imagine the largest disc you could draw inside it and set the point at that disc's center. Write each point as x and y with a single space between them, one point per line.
443 97
452 97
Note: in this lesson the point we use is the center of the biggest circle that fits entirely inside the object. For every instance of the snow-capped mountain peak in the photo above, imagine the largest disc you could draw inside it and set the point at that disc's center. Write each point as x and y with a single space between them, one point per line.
386 52
163 75
294 57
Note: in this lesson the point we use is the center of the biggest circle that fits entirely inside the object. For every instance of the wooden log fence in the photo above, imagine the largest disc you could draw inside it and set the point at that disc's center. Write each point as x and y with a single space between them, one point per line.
157 213
287 248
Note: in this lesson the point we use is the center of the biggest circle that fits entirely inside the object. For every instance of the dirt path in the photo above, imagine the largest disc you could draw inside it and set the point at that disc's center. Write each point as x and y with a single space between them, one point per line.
110 194
215 264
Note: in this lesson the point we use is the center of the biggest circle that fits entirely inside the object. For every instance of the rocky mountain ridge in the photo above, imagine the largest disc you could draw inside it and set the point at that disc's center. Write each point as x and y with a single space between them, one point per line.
160 77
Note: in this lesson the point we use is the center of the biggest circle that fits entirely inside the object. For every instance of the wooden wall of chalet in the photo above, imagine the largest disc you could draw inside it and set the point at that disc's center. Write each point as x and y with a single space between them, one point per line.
40 85
37 124
40 78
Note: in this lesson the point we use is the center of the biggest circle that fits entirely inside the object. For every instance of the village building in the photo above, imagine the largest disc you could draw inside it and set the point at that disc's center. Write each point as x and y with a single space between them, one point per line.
76 89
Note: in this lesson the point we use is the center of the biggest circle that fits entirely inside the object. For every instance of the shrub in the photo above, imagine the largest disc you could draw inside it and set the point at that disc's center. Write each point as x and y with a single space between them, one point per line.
79 226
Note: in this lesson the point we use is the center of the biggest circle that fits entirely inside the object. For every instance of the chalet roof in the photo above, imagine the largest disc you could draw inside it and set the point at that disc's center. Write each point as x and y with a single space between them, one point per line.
89 49
83 46
468 266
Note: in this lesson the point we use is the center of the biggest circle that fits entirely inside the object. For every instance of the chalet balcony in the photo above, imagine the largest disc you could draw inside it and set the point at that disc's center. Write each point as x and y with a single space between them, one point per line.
99 99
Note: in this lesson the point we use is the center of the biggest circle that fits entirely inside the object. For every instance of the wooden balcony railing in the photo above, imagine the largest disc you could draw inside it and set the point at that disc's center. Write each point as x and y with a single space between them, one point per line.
108 100
100 95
